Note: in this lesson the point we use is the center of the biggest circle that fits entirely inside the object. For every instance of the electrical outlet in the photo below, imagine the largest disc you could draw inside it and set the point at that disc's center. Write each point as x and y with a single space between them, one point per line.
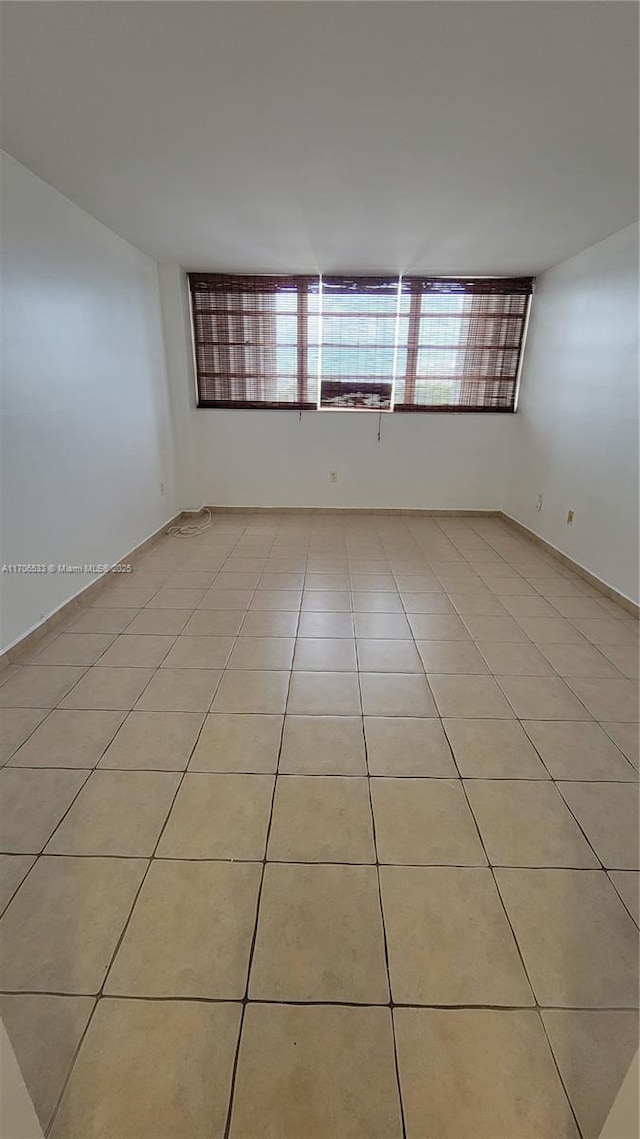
539 503
570 517
333 476
161 488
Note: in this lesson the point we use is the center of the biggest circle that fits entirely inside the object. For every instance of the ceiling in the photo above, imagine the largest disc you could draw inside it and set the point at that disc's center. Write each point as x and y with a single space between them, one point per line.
451 137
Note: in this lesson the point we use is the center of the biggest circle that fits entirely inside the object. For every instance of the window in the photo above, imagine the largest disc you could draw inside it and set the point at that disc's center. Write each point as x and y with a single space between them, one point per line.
251 341
375 343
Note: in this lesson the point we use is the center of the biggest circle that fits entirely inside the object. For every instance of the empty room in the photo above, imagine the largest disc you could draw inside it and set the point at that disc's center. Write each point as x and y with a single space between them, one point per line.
319 591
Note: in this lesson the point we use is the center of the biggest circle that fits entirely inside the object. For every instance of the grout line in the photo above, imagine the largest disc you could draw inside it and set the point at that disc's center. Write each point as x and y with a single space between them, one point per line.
245 1001
322 1004
382 921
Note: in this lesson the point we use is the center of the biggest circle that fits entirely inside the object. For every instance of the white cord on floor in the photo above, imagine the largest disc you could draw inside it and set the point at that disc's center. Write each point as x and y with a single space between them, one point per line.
190 531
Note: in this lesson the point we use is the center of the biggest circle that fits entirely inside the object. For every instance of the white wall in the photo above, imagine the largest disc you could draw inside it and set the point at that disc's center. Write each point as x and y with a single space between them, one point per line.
86 432
275 458
576 437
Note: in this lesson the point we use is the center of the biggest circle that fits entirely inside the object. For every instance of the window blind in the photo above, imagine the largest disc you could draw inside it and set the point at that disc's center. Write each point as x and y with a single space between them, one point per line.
463 343
375 342
251 341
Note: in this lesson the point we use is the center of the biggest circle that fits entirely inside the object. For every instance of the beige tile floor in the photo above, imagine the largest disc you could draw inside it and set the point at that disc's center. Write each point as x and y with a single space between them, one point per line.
325 827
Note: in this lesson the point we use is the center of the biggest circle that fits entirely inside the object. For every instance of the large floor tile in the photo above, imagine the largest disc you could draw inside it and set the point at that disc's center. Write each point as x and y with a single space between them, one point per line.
199 652
382 626
321 819
424 822
479 1074
438 627
451 656
319 936
320 601
472 697
522 605
605 699
176 599
395 694
190 932
542 698
384 601
608 631
39 686
219 816
117 813
120 596
258 623
44 1032
140 650
373 581
551 630
270 580
60 930
262 653
208 622
95 620
191 579
514 658
573 607
69 739
108 688
449 940
233 599
627 883
13 870
417 582
248 691
499 629
579 944
624 657
323 745
478 605
401 745
154 740
608 815
237 742
152 1070
627 738
164 622
579 660
526 823
493 749
325 654
235 579
180 690
74 648
388 656
572 749
32 804
317 1071
324 694
593 1050
16 725
276 600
